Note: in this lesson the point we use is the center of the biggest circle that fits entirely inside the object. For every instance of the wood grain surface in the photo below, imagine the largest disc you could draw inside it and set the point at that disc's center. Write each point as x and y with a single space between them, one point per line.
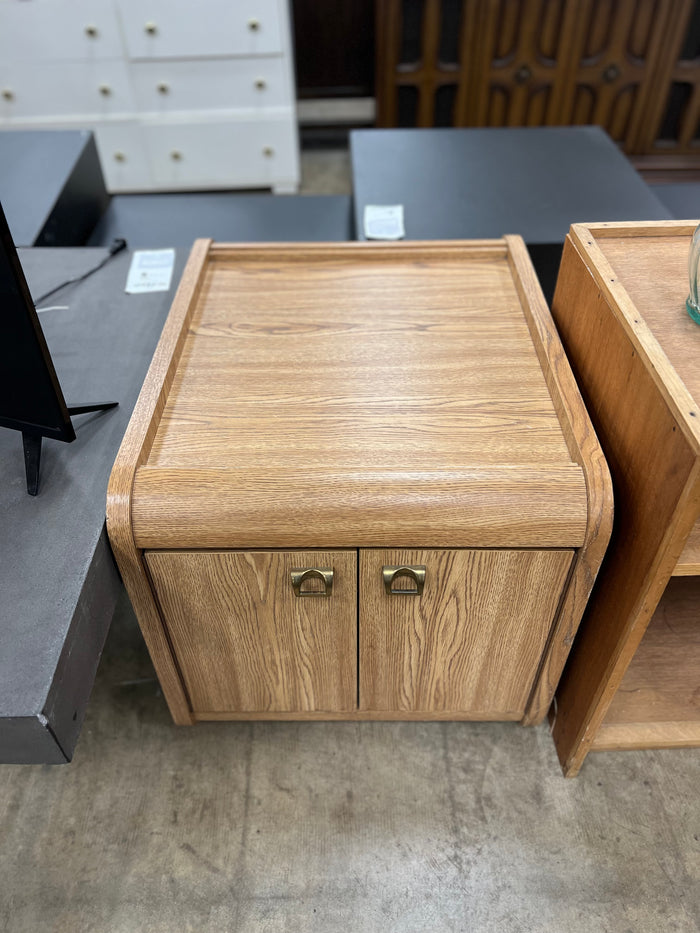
584 449
472 641
355 395
662 682
246 642
350 373
480 507
643 413
689 562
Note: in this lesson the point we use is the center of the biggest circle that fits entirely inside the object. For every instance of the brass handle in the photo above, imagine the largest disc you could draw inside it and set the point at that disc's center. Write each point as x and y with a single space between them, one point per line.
299 575
417 573
150 28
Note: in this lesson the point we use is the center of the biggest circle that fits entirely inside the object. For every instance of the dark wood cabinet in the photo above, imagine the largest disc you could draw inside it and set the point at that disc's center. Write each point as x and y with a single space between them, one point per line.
630 66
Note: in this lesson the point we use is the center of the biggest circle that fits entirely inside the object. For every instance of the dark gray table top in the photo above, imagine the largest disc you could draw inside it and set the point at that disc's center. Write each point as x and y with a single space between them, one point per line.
153 220
58 582
51 186
476 183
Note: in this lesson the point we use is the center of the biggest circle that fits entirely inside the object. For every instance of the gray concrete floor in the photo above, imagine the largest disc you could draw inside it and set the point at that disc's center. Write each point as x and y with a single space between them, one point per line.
338 826
328 827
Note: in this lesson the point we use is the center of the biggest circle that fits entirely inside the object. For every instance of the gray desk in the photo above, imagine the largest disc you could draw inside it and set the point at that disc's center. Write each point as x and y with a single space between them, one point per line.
477 183
155 220
51 186
58 580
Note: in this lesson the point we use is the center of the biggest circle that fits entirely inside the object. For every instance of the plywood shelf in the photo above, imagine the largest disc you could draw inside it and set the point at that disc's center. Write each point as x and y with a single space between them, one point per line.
689 562
658 701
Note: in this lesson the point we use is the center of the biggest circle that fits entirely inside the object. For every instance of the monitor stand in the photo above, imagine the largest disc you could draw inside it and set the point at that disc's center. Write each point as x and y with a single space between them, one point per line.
32 445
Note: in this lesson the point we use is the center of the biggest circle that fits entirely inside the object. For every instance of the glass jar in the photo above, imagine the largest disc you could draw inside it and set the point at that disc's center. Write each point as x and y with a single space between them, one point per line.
692 302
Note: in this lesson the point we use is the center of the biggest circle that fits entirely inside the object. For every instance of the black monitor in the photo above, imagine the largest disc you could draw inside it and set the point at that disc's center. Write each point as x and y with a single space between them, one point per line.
31 400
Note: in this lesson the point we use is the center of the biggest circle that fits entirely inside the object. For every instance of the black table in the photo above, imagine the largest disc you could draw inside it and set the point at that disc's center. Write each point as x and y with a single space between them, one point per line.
476 183
158 220
58 579
51 186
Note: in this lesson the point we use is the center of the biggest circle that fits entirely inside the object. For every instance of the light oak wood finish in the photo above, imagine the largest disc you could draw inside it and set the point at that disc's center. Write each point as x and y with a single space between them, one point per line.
619 305
689 562
246 642
661 687
585 450
473 639
354 396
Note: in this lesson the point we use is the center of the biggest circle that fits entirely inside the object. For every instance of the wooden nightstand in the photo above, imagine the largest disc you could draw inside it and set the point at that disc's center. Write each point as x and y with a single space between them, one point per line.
634 674
359 484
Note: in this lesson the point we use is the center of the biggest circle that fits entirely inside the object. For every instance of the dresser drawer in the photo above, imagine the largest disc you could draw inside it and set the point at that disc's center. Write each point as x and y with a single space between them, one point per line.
93 89
471 641
227 153
163 29
211 84
58 30
123 156
244 639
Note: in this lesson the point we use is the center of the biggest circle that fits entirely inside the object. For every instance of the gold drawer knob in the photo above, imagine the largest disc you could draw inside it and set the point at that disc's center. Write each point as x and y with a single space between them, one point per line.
7 94
119 157
300 575
105 90
268 151
253 25
415 573
91 31
150 29
176 155
163 87
260 84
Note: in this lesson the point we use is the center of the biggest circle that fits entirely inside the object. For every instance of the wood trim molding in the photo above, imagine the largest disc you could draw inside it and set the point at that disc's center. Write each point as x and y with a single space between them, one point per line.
585 450
132 452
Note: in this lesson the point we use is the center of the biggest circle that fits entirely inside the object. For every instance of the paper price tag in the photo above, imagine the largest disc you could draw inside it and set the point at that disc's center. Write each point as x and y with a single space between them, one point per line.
151 270
383 222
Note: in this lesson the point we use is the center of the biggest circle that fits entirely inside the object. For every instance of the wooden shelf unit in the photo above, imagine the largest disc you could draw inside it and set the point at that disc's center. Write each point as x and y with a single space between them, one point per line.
633 678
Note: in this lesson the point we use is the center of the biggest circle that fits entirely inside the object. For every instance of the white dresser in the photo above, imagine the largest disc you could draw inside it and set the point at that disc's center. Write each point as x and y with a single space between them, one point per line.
180 94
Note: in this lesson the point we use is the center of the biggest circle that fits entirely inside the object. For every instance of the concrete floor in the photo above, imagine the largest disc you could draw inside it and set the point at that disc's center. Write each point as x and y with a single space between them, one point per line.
338 826
328 827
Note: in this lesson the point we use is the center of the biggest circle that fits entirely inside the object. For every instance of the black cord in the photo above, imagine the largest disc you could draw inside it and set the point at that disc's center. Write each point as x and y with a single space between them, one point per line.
116 247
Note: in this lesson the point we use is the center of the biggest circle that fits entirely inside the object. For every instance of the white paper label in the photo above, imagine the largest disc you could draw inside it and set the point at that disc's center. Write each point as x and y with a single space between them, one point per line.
151 270
384 222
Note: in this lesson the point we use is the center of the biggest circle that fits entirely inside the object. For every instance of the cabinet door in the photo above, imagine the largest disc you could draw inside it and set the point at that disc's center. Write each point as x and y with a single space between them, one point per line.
472 641
246 643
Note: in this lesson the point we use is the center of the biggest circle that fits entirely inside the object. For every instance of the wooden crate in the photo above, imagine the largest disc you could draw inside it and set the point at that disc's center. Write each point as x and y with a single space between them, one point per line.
347 410
634 675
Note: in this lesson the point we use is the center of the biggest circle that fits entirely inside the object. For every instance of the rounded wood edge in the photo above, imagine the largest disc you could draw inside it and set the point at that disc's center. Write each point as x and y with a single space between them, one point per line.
585 450
132 451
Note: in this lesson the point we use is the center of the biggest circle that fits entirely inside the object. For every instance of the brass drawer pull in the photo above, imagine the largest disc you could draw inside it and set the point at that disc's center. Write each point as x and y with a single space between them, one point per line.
417 573
299 575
